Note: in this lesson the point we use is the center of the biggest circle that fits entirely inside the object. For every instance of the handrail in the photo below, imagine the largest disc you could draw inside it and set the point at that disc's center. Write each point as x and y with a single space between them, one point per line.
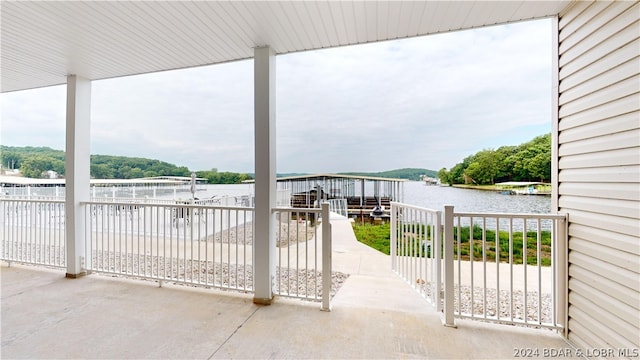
481 267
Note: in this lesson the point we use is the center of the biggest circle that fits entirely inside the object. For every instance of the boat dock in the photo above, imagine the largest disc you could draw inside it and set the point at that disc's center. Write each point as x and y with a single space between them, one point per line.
365 196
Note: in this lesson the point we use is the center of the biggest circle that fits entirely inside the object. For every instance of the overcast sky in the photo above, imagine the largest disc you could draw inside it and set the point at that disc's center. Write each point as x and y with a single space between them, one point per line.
424 102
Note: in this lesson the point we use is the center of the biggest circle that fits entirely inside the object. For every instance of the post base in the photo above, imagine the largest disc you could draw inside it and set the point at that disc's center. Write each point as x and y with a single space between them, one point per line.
262 301
75 276
450 325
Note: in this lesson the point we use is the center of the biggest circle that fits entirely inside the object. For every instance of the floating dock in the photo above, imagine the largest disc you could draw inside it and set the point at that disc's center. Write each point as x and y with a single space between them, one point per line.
363 194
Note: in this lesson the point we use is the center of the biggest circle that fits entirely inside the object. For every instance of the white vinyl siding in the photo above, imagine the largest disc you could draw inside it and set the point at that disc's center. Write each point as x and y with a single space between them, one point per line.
598 151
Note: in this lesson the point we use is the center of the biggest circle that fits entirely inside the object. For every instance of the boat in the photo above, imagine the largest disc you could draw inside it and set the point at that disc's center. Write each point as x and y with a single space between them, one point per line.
430 181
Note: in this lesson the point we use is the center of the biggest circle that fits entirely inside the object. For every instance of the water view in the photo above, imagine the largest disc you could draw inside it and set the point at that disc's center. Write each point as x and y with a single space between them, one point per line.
467 200
415 193
419 194
432 197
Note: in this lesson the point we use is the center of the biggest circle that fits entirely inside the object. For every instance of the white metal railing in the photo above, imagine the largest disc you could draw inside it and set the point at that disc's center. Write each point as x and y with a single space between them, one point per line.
33 232
339 206
416 243
283 197
487 270
216 200
194 244
302 237
508 268
227 200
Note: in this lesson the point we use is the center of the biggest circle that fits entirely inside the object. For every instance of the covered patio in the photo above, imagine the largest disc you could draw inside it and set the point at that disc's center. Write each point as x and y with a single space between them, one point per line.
132 38
374 315
595 176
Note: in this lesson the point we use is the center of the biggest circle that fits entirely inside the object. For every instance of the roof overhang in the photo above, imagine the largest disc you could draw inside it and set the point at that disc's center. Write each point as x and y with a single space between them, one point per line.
42 42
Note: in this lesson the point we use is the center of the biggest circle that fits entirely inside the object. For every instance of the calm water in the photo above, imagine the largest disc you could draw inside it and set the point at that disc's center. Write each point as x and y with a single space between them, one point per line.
466 200
415 193
432 197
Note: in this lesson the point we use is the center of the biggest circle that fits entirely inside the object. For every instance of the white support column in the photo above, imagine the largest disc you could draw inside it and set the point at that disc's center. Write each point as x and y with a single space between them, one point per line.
77 170
265 171
555 114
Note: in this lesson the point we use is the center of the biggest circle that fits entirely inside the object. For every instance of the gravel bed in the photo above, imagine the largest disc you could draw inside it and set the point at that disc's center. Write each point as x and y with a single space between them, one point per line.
287 233
288 282
462 303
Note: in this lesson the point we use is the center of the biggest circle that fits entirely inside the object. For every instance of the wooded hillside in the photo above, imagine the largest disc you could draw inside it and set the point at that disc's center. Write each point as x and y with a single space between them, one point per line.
406 173
35 162
530 161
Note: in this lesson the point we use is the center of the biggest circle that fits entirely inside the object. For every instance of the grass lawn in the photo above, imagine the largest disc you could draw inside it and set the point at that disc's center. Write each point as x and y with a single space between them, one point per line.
375 236
378 237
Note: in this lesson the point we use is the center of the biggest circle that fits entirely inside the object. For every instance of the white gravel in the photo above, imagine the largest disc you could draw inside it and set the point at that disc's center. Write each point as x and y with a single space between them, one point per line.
463 304
305 283
287 233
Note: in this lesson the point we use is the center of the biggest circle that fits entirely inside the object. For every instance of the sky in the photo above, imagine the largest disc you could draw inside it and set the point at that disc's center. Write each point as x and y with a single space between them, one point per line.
425 102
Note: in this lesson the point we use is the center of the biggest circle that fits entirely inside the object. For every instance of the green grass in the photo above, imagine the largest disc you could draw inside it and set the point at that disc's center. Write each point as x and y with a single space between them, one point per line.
378 237
502 241
375 236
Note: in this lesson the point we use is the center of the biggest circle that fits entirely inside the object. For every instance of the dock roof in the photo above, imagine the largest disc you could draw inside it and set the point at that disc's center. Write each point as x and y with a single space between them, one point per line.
334 176
520 183
24 181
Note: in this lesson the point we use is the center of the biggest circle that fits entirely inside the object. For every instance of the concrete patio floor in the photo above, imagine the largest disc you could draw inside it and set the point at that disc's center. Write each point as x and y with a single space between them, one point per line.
374 315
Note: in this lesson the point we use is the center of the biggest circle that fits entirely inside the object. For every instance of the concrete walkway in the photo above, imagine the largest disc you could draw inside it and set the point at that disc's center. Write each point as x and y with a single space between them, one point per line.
374 315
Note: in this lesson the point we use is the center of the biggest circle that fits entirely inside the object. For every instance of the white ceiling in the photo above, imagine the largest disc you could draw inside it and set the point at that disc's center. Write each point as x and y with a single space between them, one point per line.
42 42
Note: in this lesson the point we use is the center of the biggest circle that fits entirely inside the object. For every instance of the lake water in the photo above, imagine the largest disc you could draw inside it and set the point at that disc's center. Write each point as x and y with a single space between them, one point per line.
415 193
432 197
467 200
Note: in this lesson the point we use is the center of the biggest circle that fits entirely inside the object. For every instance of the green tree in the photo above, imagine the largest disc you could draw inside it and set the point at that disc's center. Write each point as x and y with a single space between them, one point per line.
457 173
484 168
124 172
101 171
445 176
215 177
530 161
37 166
136 173
10 159
505 167
540 167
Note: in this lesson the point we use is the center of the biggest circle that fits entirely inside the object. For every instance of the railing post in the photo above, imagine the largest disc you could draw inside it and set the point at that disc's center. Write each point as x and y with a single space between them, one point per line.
436 254
394 234
448 319
326 258
561 271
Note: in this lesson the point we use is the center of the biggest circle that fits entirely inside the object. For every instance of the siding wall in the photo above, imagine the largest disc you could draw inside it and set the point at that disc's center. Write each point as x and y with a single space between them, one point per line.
598 148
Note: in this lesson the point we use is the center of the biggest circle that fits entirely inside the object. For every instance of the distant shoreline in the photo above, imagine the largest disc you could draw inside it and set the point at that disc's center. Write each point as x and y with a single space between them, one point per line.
476 187
494 187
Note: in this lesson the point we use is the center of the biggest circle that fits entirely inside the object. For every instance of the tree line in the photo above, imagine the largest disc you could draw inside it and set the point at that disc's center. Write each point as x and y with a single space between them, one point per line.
36 162
223 177
414 174
530 161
